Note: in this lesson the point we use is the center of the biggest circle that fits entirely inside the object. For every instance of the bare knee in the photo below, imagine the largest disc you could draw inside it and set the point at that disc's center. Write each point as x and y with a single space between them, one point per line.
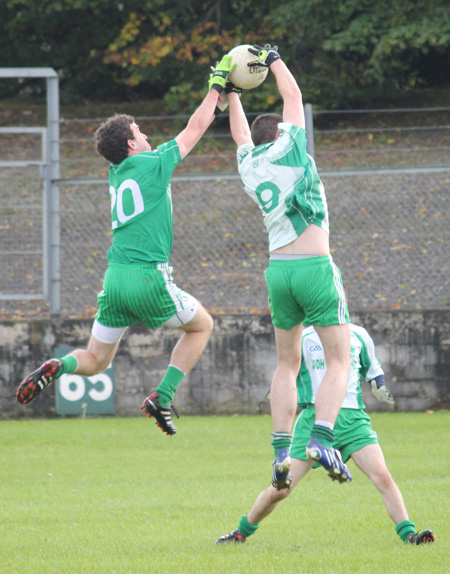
382 479
93 360
205 324
289 363
338 364
100 366
209 324
202 322
335 340
278 495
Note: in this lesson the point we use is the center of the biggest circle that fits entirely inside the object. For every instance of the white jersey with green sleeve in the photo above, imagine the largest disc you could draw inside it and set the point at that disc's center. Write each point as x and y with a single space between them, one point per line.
364 366
141 205
283 180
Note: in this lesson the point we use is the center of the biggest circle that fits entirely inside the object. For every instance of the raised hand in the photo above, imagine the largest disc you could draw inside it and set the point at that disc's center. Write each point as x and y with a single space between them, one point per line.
230 87
218 78
266 56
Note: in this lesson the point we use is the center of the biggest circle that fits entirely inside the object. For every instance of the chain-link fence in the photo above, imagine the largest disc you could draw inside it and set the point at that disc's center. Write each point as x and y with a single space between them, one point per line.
389 228
21 232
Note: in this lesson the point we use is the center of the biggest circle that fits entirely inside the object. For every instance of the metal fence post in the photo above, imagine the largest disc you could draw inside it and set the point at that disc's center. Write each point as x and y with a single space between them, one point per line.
53 206
309 128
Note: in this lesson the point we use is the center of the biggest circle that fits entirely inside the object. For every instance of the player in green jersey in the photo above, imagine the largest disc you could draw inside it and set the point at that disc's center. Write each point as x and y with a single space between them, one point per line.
138 284
304 284
354 435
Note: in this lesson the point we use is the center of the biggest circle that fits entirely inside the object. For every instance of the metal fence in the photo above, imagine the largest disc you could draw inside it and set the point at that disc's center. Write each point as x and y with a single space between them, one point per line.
29 227
387 177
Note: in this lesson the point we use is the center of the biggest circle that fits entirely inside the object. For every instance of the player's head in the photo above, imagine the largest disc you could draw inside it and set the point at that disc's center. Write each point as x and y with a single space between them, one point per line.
265 128
118 137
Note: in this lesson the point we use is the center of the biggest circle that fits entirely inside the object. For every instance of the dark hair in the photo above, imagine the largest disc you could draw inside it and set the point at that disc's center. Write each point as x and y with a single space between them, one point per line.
264 128
111 138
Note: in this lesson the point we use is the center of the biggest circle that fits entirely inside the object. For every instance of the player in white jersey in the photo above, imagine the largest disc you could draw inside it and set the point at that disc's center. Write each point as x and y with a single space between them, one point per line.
355 437
138 283
364 365
304 284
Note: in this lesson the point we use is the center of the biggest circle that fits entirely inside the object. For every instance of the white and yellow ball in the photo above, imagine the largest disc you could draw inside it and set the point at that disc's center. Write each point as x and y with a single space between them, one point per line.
243 76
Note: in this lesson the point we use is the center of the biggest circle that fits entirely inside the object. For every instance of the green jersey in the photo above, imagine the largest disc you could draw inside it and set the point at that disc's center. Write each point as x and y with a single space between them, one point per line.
141 205
283 180
364 366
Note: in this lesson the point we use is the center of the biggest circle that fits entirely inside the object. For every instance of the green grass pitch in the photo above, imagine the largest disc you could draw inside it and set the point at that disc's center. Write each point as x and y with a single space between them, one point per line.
116 495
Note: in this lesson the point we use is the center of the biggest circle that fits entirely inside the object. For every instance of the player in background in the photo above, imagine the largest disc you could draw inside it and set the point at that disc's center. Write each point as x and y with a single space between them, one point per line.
138 283
304 284
354 435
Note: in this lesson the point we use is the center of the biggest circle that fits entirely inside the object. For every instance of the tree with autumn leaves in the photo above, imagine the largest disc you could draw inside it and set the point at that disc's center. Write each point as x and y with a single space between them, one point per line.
344 53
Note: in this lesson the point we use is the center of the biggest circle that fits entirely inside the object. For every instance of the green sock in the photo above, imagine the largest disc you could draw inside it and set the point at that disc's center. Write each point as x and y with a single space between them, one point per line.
167 387
280 440
69 365
405 529
323 434
247 529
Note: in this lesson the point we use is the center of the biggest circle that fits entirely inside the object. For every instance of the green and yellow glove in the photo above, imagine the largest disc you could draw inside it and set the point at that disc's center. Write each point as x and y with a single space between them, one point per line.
218 78
230 87
222 102
266 56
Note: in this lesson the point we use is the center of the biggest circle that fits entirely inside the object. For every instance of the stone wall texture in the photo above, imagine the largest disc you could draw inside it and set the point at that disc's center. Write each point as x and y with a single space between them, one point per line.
234 374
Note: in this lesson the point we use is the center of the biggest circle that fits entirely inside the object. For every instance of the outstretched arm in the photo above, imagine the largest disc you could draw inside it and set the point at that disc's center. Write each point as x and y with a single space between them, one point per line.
269 57
204 115
293 111
240 130
198 123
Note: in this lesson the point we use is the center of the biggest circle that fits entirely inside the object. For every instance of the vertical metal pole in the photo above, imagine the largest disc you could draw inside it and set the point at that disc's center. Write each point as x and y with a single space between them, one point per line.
53 211
309 127
46 186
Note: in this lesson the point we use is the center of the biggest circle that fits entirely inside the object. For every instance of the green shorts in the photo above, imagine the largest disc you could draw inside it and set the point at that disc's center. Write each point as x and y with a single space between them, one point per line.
308 291
135 292
352 430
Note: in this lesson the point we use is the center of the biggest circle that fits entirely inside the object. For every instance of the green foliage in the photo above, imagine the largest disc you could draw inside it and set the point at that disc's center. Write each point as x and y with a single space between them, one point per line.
174 48
117 496
182 97
343 53
354 52
69 36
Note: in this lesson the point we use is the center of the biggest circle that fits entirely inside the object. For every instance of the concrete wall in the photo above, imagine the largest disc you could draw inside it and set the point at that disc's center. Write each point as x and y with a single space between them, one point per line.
235 371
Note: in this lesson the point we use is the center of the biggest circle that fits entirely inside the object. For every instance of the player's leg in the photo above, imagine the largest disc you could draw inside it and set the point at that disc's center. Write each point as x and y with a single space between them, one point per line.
370 460
336 345
326 308
265 504
287 318
146 292
190 346
95 359
110 324
283 389
196 324
283 400
98 355
270 497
